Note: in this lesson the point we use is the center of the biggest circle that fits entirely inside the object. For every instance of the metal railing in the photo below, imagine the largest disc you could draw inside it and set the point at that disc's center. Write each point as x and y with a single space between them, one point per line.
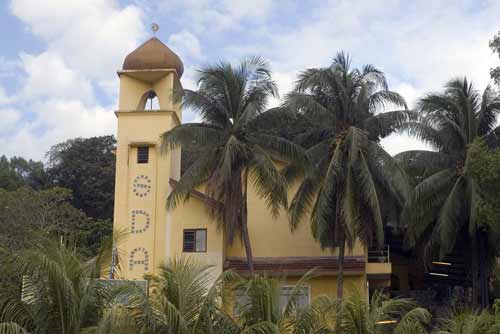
379 255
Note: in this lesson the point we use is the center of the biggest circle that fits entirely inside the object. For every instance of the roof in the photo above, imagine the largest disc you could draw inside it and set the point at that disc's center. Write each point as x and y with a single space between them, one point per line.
353 265
152 55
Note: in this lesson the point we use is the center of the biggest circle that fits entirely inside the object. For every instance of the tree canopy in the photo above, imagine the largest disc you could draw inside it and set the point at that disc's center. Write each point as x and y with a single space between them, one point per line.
232 151
87 167
18 172
443 208
352 186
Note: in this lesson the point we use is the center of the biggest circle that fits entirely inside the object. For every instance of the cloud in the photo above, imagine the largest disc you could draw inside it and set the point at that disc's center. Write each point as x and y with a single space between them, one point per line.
408 91
400 142
91 35
69 87
64 88
57 120
49 76
255 10
215 16
10 119
186 44
4 98
285 85
8 67
419 45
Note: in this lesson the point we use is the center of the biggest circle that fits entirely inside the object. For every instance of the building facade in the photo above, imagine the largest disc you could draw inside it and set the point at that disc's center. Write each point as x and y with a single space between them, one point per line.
145 174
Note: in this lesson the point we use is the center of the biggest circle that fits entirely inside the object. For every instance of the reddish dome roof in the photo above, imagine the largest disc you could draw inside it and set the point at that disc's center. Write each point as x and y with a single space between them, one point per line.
153 54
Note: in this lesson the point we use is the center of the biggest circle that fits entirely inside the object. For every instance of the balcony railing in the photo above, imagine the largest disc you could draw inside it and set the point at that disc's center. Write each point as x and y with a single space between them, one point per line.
382 255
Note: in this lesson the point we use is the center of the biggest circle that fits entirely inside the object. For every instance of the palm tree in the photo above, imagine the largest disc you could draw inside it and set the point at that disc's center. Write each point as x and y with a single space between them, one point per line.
261 310
59 292
354 184
382 315
468 322
184 298
443 207
231 149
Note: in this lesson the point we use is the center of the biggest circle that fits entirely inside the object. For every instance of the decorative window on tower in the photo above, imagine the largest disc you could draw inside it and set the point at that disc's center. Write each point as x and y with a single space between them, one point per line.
142 154
195 241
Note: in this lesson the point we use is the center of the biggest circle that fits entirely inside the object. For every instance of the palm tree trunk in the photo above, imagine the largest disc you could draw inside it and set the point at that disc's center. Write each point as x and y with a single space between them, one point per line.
483 274
244 224
474 273
338 235
340 275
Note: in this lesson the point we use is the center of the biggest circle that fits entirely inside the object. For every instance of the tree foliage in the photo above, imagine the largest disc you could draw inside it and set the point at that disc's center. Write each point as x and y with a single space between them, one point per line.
25 212
87 167
231 150
495 47
261 309
443 208
353 185
18 172
60 293
484 168
382 315
471 322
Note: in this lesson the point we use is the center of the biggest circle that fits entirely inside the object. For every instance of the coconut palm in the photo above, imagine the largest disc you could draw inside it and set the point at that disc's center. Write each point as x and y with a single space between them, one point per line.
382 315
443 206
354 185
261 310
231 149
184 298
59 293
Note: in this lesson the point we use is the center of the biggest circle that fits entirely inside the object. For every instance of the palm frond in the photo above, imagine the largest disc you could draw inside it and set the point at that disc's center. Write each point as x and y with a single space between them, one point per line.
424 204
190 134
451 217
383 124
424 162
268 181
11 328
193 177
372 199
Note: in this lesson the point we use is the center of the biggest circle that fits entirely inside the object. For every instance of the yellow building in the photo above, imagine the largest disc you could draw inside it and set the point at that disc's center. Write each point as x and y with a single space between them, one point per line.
145 176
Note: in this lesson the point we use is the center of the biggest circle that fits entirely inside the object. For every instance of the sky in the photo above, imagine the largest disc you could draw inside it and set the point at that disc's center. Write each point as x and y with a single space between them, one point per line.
58 58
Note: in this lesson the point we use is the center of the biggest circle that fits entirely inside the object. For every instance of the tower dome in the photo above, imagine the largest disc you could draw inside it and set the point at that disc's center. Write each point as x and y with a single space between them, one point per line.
153 55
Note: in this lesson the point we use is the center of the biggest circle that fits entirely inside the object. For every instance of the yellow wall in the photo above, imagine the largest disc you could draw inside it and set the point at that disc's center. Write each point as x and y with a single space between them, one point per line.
272 237
327 285
163 238
194 215
378 268
137 128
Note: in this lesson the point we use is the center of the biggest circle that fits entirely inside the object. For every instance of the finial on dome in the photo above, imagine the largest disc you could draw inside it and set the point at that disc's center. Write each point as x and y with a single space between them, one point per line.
154 28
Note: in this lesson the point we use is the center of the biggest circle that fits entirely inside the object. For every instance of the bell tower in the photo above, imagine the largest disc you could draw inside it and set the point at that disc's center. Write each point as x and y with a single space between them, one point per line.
149 80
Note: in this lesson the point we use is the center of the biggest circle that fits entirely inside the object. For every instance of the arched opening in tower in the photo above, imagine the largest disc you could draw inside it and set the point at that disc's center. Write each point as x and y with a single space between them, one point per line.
149 101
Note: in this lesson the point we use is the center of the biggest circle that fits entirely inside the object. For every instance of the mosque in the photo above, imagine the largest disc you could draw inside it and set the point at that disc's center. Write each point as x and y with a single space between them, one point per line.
145 175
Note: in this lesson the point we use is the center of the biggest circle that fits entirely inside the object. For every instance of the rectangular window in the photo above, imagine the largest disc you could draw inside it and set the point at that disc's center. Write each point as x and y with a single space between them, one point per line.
195 240
142 154
286 292
241 299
